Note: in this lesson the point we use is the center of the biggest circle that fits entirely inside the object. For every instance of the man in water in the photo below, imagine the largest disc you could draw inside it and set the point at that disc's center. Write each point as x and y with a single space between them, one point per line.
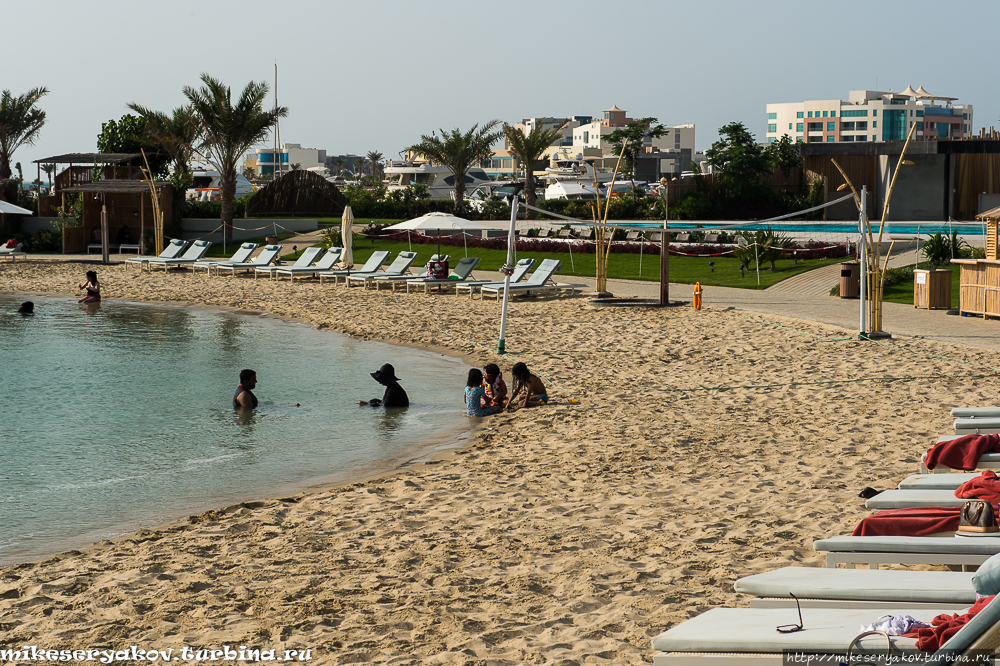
394 395
244 398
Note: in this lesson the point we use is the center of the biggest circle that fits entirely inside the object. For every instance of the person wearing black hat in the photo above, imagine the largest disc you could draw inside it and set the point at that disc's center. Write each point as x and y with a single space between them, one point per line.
394 395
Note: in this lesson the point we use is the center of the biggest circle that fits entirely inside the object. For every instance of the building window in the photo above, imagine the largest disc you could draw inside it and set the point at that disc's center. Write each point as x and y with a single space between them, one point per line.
773 127
860 138
874 112
857 113
830 139
847 138
965 116
874 124
810 114
789 126
824 114
833 114
772 140
873 137
586 137
815 127
798 115
920 127
772 116
846 127
798 127
920 113
862 125
831 127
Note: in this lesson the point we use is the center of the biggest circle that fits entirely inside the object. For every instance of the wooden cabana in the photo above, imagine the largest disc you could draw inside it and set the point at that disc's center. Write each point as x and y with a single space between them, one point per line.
298 193
123 203
979 279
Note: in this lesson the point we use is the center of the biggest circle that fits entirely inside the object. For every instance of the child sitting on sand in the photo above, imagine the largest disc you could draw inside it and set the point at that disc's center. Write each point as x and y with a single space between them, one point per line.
530 388
494 388
474 395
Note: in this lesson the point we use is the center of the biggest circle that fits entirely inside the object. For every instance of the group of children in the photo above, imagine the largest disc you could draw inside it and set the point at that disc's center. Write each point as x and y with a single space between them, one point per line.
486 392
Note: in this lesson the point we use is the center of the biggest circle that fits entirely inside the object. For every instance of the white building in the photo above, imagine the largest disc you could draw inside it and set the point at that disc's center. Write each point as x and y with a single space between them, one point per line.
285 157
870 115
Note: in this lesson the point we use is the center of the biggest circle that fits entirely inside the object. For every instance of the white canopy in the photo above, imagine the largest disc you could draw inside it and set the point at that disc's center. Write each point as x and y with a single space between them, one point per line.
11 209
438 222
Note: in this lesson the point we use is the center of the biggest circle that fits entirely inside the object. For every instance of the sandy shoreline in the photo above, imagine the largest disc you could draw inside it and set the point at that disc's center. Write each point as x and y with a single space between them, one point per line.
559 535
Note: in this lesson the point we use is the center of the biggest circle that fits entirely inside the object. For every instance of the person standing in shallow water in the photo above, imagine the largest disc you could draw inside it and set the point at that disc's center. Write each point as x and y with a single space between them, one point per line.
244 398
394 395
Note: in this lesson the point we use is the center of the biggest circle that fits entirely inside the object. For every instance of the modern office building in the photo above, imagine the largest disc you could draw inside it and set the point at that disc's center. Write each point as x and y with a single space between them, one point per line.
870 116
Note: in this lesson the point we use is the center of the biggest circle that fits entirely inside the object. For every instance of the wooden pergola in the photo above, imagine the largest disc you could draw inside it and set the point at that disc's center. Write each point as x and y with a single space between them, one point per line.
979 279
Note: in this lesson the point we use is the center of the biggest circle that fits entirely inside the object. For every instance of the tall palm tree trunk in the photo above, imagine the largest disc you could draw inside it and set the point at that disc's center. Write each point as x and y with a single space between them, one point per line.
227 190
529 190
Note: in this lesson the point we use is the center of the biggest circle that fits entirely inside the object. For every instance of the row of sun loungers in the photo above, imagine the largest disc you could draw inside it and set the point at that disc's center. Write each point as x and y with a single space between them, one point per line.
315 263
841 601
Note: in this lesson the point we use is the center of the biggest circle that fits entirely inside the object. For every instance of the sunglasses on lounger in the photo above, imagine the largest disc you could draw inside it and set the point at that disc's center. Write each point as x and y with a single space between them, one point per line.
792 628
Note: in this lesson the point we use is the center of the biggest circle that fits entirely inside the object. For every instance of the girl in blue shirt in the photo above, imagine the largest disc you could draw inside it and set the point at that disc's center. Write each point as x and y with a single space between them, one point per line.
474 395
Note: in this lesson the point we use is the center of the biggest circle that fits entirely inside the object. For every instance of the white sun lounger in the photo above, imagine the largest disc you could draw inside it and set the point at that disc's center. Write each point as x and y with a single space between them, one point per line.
193 254
876 550
858 588
267 255
986 461
976 412
13 252
325 263
936 481
521 269
380 279
398 268
172 250
242 253
537 283
460 274
979 425
305 259
372 265
902 499
748 635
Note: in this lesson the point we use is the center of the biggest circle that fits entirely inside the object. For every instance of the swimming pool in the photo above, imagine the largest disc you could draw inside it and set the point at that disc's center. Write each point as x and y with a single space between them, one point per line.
119 415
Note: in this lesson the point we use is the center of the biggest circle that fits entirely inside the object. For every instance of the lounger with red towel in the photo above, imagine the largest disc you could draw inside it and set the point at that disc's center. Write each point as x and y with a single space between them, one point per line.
962 452
986 486
914 521
944 627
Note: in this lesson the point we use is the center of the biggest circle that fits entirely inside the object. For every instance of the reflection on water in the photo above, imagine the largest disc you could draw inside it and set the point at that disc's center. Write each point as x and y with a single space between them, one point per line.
125 415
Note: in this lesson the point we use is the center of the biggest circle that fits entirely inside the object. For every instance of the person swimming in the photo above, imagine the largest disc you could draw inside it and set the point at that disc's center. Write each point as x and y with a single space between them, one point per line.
244 398
27 308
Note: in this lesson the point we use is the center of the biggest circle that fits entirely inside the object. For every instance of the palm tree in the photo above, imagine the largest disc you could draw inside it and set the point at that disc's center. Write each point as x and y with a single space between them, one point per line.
228 130
528 149
20 122
175 135
49 169
375 159
459 152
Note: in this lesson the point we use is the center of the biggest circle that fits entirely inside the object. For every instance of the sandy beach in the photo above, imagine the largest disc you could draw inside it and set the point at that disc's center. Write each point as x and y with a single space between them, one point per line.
705 446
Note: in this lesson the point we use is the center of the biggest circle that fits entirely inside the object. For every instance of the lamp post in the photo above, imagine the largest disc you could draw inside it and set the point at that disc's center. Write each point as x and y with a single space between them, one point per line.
665 246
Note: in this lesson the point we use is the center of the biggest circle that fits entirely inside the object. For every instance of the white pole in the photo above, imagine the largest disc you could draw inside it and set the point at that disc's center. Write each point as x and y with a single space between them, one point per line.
508 269
862 273
756 261
641 239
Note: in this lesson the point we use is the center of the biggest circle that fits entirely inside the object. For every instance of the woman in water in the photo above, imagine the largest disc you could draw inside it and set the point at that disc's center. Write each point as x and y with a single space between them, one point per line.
93 288
474 395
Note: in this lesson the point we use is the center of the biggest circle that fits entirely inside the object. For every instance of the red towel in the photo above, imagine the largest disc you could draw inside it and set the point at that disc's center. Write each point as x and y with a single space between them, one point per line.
944 627
962 453
985 487
915 521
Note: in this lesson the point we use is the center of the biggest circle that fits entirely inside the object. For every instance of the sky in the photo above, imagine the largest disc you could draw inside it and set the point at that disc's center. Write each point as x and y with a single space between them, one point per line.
376 75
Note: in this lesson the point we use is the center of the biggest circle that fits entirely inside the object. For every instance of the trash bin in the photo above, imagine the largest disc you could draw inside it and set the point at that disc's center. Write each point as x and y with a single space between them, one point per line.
932 289
849 280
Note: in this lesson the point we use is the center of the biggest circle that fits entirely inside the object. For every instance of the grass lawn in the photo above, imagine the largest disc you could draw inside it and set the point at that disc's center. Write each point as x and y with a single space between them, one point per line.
622 266
903 292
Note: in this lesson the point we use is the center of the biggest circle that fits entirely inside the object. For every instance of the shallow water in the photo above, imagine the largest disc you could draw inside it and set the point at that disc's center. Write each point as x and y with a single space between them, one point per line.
119 415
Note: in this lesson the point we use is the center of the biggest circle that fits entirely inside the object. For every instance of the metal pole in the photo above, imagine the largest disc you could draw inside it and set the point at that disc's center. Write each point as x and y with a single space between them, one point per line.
506 279
665 247
641 244
863 267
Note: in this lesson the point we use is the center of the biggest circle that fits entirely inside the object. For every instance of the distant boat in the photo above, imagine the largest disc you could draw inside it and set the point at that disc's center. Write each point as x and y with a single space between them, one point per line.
206 186
440 180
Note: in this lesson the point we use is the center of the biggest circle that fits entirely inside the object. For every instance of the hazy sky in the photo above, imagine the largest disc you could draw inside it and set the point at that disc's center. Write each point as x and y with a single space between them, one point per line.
371 75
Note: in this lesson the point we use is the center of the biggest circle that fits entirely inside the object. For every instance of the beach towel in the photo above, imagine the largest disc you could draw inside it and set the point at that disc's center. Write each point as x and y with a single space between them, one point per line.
984 487
963 452
944 627
914 521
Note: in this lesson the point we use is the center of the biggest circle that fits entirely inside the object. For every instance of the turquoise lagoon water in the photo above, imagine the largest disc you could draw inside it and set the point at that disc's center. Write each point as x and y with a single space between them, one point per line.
118 415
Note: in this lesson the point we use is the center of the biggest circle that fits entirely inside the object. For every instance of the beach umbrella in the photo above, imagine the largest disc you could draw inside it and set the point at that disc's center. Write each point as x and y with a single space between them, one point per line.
11 209
347 236
438 222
